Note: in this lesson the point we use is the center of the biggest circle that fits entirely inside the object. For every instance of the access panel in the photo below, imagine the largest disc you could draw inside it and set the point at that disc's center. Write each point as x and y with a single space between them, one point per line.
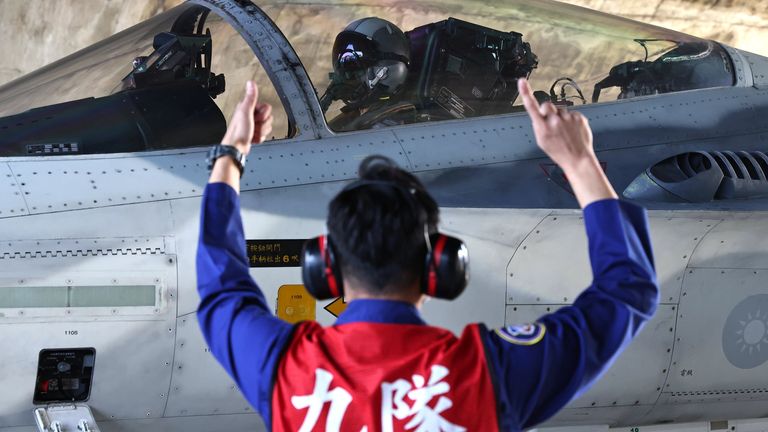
64 375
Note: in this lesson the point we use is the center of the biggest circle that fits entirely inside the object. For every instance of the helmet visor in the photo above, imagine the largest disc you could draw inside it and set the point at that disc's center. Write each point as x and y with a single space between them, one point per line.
353 52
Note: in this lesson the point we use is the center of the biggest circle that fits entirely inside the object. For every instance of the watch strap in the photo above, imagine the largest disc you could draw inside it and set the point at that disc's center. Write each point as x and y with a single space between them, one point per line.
220 150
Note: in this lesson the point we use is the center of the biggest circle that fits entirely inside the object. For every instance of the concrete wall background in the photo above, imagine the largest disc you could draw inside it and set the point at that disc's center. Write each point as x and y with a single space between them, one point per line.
38 32
739 23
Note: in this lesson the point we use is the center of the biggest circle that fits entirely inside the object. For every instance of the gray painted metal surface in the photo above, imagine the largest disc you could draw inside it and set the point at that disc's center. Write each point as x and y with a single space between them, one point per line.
13 201
759 67
132 219
733 329
134 344
190 395
637 377
734 244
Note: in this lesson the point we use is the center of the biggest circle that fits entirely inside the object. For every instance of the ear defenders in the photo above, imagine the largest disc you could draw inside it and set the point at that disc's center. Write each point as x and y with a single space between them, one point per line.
446 266
320 269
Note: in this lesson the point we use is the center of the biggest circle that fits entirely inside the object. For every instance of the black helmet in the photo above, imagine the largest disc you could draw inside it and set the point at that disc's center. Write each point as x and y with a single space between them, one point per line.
370 61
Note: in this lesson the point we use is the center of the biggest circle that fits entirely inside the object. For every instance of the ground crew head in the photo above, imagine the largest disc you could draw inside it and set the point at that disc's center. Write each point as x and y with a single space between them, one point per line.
383 242
378 227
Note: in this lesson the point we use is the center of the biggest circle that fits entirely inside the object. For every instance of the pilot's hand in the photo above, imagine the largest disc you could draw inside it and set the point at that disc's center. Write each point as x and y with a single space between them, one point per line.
251 121
564 136
567 139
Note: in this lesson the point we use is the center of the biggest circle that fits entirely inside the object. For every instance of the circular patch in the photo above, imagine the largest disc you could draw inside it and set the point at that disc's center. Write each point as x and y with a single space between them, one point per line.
528 334
745 335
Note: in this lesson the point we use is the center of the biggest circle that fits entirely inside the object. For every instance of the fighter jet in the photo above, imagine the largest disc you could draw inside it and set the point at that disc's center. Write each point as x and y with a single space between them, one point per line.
102 162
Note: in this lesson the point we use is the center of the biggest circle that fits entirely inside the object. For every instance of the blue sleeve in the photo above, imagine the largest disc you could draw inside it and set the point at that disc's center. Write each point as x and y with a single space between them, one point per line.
540 367
234 316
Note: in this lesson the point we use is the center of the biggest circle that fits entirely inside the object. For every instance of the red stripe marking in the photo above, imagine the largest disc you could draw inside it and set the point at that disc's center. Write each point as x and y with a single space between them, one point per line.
330 277
437 254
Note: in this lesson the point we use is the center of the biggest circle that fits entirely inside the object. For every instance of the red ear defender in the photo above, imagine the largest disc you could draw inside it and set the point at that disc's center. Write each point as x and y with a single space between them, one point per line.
446 270
319 269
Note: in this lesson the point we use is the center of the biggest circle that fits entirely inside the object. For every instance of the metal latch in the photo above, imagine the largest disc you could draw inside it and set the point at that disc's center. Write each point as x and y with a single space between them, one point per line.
65 418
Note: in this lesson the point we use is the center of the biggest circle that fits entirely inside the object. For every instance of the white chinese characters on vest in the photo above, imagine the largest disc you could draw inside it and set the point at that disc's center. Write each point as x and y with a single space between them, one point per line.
401 400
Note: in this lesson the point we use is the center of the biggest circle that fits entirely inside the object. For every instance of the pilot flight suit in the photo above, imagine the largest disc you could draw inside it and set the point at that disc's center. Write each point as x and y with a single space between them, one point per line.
381 368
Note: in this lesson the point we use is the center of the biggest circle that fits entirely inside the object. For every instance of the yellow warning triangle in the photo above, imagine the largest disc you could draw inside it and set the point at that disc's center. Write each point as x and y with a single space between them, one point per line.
336 307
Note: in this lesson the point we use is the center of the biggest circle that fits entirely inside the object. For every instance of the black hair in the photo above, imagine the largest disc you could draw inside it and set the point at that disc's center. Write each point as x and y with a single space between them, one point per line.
377 226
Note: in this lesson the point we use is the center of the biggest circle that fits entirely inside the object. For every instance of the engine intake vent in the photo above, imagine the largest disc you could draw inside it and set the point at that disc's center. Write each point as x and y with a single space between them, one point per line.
703 177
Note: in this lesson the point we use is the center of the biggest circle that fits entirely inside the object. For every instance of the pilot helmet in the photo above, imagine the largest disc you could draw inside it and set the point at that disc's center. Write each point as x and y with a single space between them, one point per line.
370 61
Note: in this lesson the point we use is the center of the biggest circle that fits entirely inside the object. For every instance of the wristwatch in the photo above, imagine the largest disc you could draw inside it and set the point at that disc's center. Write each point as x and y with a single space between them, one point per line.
220 150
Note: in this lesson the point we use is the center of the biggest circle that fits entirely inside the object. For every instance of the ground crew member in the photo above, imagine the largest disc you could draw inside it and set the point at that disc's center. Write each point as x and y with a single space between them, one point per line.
380 367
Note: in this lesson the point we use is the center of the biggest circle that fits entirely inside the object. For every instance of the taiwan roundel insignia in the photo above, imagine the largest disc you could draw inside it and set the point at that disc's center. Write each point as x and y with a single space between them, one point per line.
528 334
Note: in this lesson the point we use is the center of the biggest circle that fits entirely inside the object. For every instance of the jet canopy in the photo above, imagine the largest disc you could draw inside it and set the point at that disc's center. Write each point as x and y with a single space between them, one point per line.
171 81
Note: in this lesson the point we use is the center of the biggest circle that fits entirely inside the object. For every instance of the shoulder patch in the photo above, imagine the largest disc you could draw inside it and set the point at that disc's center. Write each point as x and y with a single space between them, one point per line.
527 334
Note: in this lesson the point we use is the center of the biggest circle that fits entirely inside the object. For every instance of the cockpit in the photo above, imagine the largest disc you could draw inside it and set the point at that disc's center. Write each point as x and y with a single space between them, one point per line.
462 70
455 69
172 81
439 71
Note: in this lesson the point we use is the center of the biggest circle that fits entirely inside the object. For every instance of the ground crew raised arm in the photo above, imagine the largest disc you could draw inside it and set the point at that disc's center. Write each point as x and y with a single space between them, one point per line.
564 352
380 367
541 366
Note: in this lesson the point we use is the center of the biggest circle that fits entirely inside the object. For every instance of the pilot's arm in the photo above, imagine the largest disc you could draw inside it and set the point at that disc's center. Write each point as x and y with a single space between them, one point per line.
539 368
234 317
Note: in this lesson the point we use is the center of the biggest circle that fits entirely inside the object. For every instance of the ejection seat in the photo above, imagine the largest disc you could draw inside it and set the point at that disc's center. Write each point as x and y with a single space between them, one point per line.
459 69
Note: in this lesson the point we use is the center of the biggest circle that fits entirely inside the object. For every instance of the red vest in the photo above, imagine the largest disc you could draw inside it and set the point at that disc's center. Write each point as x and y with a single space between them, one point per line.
383 377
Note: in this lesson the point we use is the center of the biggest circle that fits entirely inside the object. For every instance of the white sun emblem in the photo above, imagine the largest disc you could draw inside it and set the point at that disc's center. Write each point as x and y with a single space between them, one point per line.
745 334
754 332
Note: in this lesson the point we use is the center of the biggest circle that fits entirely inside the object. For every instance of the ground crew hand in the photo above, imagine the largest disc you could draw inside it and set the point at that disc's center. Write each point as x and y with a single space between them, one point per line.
567 139
251 122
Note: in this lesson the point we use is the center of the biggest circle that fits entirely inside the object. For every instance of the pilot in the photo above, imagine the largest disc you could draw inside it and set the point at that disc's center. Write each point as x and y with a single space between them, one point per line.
370 58
380 366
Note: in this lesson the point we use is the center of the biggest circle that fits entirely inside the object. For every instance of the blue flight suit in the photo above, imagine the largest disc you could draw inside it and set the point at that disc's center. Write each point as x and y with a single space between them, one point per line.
536 369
